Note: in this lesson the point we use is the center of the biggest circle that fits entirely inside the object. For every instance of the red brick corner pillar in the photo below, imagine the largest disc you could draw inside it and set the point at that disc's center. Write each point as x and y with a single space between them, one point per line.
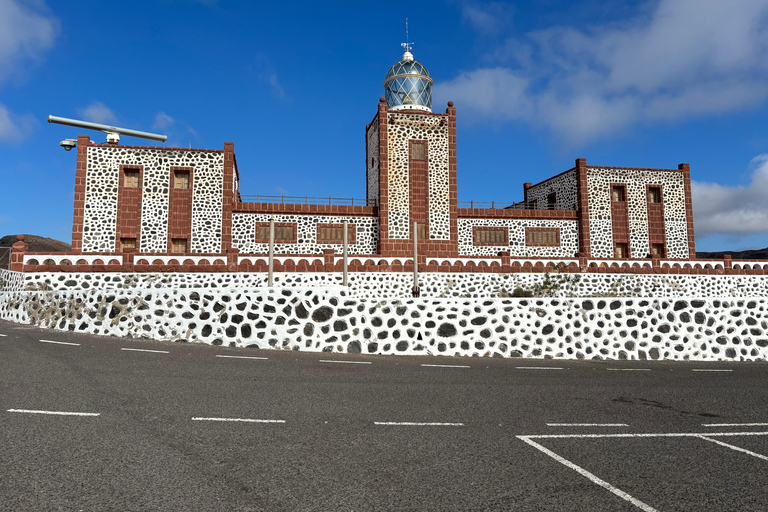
506 262
453 180
686 168
18 250
383 178
582 211
232 256
83 141
727 262
229 197
329 255
583 262
128 258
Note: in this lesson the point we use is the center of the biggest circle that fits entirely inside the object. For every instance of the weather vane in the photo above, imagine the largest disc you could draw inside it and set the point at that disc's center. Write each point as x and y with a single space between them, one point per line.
406 45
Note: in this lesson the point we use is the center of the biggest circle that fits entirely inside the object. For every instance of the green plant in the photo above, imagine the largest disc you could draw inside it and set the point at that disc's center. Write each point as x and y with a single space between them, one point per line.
561 281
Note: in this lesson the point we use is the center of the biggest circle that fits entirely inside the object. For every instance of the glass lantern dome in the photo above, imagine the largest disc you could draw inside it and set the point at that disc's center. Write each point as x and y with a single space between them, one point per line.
408 86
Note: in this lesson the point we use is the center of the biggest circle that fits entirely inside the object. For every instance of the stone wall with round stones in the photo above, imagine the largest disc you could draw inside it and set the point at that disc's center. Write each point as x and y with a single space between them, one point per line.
330 321
388 285
569 238
402 128
244 233
372 165
636 180
564 186
101 191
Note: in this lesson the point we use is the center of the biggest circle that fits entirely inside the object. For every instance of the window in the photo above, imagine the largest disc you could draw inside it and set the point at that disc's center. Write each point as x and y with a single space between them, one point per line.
128 243
181 179
421 231
542 236
490 236
331 234
552 201
131 178
418 151
654 194
618 194
622 250
179 245
657 250
283 234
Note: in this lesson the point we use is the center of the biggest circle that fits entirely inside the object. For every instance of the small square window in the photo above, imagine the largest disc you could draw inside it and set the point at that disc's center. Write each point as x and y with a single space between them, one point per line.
421 231
131 178
418 151
622 250
657 250
654 194
618 194
128 243
179 245
181 179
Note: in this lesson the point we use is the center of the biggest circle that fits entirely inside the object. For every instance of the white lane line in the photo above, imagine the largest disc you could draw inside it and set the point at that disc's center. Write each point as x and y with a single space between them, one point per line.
587 425
57 413
241 357
3 335
706 370
245 420
732 447
416 424
670 434
446 365
538 368
145 350
345 362
628 369
60 342
602 483
734 424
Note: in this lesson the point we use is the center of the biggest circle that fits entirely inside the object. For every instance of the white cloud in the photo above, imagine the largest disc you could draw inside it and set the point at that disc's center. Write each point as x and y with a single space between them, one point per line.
25 34
162 121
681 59
13 128
97 112
738 210
487 18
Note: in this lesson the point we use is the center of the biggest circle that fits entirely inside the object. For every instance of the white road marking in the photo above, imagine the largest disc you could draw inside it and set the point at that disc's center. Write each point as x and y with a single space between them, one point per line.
671 434
628 369
60 342
3 335
615 490
145 350
346 362
241 357
446 365
538 368
732 447
706 370
415 424
246 420
58 413
587 425
734 424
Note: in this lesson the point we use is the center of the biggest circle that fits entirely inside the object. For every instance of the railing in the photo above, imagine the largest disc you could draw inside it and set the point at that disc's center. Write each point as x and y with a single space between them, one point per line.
523 205
309 200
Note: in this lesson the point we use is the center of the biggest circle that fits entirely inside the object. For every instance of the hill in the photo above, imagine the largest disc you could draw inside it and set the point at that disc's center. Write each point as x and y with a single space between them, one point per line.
752 254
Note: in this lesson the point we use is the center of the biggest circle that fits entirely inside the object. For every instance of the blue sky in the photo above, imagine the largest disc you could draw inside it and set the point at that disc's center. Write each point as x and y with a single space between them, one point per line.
536 84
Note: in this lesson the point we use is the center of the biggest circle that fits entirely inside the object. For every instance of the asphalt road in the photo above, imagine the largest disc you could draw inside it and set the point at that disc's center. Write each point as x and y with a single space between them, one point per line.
370 432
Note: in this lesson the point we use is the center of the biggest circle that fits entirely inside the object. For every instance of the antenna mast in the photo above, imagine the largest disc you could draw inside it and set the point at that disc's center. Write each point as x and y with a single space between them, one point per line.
406 45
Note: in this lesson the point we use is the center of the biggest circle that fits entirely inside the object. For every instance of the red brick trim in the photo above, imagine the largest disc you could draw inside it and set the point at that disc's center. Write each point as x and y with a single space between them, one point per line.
620 219
163 148
582 193
351 234
277 224
306 209
503 229
418 186
453 210
129 208
542 230
657 233
180 209
686 168
228 197
488 213
83 142
383 179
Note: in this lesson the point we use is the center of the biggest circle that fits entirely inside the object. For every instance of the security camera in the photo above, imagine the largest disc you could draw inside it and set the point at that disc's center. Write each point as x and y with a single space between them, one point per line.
68 144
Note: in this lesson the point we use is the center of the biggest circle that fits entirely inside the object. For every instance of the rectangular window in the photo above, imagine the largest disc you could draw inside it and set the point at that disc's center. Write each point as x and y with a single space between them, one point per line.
131 178
618 194
654 194
128 243
331 234
418 151
542 236
490 236
552 201
622 250
657 250
179 245
283 234
181 179
421 231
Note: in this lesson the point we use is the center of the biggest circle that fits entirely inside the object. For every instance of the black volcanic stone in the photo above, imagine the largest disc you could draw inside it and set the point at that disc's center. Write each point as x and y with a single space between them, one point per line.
322 314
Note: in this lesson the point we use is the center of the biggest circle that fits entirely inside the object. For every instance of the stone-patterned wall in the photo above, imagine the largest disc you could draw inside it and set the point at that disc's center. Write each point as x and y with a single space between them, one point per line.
569 239
372 165
565 188
102 177
330 321
401 128
244 233
377 285
636 180
11 281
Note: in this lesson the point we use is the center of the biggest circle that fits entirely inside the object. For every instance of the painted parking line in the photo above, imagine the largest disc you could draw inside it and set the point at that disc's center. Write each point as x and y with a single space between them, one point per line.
344 362
447 365
241 357
60 342
734 424
628 369
57 413
417 424
707 370
732 447
3 335
146 350
243 420
538 368
587 425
